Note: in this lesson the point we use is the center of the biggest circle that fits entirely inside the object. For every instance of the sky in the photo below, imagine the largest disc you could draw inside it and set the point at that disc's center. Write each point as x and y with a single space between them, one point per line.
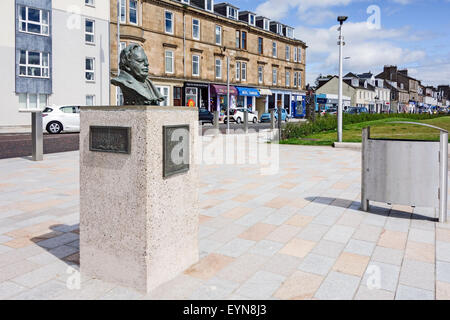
411 34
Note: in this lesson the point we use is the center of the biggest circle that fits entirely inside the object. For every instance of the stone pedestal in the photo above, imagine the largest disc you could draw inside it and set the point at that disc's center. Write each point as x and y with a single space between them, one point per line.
137 228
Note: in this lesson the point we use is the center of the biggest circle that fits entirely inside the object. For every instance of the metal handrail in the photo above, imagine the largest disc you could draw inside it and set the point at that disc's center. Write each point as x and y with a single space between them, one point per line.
420 124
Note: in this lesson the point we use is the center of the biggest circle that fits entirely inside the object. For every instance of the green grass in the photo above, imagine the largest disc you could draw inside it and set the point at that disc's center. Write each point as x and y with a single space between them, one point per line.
379 129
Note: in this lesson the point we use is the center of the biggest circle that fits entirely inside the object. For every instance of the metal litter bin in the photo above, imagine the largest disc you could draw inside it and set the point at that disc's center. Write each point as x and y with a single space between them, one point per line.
412 173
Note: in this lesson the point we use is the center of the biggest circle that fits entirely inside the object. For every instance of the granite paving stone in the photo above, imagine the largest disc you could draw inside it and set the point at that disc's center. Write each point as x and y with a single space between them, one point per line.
338 286
298 234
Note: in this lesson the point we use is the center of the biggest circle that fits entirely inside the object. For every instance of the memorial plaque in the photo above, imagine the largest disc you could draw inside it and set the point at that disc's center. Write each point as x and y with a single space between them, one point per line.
110 139
175 150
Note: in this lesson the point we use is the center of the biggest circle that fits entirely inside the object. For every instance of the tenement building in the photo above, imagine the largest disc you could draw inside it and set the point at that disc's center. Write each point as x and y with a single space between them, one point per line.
194 46
54 52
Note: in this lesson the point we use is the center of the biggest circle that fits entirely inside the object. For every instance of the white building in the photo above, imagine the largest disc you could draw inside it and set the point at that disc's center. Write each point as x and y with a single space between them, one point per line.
55 52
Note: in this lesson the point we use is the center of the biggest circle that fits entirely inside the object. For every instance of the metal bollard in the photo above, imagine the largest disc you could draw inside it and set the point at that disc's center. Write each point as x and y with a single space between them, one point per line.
443 174
37 138
246 121
279 119
272 120
216 119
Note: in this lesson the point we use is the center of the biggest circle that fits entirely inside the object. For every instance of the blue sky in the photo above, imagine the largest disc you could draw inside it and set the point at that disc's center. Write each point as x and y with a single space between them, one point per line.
412 34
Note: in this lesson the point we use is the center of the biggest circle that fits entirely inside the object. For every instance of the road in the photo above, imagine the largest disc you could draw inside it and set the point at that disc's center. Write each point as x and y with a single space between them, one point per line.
19 145
14 145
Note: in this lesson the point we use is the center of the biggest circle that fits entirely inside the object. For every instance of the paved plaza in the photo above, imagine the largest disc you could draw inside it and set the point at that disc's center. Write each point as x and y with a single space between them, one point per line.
296 235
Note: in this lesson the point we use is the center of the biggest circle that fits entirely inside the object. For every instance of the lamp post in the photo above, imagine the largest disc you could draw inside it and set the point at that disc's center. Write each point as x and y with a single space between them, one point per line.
341 43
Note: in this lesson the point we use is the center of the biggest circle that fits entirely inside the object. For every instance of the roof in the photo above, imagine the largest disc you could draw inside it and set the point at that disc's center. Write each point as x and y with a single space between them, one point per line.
225 4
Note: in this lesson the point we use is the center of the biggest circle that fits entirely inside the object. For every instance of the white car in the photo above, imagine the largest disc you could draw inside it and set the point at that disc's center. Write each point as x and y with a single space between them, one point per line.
56 119
237 115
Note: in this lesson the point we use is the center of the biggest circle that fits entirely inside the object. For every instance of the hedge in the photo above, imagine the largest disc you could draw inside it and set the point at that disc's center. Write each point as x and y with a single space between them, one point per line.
329 122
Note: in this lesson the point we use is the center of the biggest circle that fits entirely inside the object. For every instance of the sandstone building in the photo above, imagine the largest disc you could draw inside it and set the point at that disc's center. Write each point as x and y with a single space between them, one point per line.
188 43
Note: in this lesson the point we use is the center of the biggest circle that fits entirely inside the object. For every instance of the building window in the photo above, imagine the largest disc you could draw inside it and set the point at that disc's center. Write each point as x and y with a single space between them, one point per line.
34 64
295 54
196 29
89 2
89 31
266 24
164 90
288 78
238 71
260 45
232 13
90 100
238 39
185 1
244 71
133 12
288 53
169 22
244 40
123 10
274 49
300 79
295 79
33 20
299 55
218 69
260 74
218 35
89 70
274 76
169 61
32 101
195 65
209 4
251 19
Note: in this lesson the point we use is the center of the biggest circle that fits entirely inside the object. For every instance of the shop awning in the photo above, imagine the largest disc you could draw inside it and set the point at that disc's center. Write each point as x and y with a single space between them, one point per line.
250 92
265 92
222 90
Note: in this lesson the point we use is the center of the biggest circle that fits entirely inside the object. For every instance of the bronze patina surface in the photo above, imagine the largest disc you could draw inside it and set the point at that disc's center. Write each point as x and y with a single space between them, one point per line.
137 88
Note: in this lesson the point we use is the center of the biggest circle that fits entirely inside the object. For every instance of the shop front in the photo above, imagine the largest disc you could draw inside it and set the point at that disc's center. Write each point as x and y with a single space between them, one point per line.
291 101
218 94
262 102
170 89
196 94
247 97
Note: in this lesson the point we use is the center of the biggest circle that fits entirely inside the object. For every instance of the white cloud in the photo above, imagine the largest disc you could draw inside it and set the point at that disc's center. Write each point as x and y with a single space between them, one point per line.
278 9
368 49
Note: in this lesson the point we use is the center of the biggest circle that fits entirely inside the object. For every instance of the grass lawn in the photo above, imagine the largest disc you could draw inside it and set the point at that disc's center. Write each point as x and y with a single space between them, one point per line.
379 129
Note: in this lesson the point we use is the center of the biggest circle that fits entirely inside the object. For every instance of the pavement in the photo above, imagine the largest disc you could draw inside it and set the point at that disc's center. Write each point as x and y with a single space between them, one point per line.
296 235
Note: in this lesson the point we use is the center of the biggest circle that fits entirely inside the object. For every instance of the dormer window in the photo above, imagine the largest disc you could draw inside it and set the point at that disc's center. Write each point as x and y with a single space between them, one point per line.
355 82
280 29
232 13
251 19
185 1
267 24
209 5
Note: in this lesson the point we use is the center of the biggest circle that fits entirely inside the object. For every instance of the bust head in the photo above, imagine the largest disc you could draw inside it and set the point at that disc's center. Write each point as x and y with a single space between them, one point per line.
134 61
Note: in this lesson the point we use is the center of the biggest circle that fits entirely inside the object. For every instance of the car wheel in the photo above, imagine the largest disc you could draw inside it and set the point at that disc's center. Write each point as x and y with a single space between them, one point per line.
54 127
286 120
238 120
255 120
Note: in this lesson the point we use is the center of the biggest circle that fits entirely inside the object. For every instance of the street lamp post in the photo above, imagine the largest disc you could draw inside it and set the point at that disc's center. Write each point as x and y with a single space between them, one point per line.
228 94
341 43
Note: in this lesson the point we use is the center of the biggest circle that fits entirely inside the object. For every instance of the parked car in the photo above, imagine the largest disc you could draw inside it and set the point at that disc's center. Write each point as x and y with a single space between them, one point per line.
205 116
56 119
356 110
236 115
331 111
265 117
252 117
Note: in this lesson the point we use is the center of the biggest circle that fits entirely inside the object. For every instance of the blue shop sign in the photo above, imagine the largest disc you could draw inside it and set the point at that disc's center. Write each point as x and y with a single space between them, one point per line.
250 92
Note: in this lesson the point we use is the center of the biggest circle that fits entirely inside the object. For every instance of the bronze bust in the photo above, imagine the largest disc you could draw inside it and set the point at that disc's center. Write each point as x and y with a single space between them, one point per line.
133 80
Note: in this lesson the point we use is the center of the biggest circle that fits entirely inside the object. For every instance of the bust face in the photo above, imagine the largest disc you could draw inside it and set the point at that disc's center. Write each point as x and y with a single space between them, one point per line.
138 65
